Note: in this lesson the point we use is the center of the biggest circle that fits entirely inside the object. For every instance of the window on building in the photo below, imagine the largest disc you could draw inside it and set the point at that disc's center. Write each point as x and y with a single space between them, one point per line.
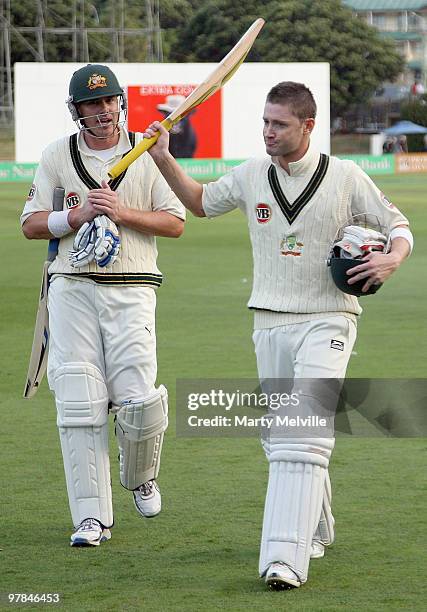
416 22
379 20
416 49
402 22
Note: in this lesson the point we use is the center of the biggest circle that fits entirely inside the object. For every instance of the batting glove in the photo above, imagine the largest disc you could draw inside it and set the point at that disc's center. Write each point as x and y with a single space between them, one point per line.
107 242
83 246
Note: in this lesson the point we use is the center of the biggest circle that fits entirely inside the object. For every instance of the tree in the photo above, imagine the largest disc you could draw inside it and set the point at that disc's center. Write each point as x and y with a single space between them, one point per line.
93 14
297 31
415 110
174 16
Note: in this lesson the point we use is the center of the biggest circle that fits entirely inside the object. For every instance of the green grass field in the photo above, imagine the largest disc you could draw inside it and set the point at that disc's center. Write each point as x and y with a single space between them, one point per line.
201 553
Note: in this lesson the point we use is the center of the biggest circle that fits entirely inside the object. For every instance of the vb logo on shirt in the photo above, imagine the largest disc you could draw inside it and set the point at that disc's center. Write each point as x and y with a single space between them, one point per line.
263 213
32 192
72 200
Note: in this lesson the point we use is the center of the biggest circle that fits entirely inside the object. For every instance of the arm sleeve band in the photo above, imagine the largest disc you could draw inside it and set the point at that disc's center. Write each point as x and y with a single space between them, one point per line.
403 232
57 223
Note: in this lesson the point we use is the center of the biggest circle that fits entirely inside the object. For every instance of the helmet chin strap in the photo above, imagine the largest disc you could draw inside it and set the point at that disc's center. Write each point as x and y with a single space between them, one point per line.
116 130
116 127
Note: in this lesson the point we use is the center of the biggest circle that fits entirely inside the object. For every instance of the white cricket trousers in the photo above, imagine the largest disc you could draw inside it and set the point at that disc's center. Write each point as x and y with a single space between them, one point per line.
298 493
102 349
305 350
112 328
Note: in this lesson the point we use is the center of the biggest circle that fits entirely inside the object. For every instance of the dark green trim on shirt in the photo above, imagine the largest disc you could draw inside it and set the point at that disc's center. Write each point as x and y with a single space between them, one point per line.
128 278
291 211
80 168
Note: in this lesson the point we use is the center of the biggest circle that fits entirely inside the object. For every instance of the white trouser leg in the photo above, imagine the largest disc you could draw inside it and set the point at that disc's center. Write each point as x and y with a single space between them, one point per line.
112 328
131 368
128 327
298 483
82 404
293 502
77 377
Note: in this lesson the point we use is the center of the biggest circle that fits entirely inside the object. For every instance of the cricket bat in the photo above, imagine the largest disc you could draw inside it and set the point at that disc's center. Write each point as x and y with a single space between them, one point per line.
222 73
39 350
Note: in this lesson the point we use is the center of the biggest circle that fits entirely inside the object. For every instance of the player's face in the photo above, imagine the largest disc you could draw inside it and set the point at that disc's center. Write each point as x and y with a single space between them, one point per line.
285 135
100 116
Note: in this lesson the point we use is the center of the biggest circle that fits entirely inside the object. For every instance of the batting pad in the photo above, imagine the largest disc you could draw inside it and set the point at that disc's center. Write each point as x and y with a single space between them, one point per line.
140 427
293 503
82 406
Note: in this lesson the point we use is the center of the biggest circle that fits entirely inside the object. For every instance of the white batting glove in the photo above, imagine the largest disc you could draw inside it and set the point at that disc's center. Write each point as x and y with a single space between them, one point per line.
83 246
107 241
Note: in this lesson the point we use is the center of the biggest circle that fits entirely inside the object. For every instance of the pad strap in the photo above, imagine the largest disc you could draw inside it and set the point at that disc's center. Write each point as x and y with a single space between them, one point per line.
325 532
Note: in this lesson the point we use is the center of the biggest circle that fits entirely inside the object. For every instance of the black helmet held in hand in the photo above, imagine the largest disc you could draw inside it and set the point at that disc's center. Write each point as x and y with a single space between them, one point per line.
348 251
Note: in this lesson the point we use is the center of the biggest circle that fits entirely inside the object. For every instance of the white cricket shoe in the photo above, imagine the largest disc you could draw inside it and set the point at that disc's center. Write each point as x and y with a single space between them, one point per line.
90 532
317 550
147 499
279 577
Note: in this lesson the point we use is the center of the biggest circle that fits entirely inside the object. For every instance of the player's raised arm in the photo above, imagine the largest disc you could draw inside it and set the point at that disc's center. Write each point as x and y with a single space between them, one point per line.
185 188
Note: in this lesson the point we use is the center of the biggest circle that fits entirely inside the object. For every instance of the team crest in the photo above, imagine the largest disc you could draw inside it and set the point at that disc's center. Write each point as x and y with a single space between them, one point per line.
263 213
96 80
291 246
72 200
32 192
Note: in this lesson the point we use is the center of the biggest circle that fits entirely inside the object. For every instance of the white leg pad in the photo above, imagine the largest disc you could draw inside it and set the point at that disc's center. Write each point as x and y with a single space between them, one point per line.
325 532
293 503
140 427
82 406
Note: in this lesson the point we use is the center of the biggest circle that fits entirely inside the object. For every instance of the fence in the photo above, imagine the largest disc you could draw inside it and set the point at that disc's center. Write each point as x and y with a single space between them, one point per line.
208 169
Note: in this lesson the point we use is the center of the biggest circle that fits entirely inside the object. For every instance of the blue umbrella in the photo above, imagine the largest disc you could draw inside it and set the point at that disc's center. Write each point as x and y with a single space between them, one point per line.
405 127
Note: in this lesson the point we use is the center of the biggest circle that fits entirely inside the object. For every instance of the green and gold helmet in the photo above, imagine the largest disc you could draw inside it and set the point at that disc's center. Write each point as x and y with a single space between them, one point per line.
93 81
89 83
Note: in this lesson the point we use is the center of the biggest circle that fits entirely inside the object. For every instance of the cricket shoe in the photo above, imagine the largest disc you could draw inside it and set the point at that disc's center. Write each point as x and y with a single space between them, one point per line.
280 577
90 532
317 550
147 499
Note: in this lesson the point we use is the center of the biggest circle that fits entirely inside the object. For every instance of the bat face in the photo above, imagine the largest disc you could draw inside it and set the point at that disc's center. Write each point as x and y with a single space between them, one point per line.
38 359
222 73
39 350
231 63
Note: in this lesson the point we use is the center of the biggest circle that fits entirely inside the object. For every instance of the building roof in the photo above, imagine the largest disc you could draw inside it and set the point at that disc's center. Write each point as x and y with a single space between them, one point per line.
386 5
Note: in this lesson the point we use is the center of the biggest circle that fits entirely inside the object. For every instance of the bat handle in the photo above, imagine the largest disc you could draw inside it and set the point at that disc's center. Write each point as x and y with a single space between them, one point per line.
57 204
58 198
134 153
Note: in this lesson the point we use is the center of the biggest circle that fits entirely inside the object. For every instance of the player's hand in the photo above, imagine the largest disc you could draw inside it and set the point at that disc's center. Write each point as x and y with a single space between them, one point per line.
80 215
376 268
105 201
161 148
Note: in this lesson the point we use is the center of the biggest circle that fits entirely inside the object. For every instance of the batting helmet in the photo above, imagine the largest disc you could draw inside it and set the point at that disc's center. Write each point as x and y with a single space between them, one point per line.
348 251
91 82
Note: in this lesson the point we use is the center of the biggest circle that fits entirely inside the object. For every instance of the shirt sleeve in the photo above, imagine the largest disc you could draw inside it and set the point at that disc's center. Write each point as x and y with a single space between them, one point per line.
367 199
40 195
163 198
223 195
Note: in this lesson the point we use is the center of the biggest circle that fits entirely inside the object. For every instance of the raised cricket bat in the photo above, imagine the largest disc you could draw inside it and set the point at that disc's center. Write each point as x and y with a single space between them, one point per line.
39 350
222 73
